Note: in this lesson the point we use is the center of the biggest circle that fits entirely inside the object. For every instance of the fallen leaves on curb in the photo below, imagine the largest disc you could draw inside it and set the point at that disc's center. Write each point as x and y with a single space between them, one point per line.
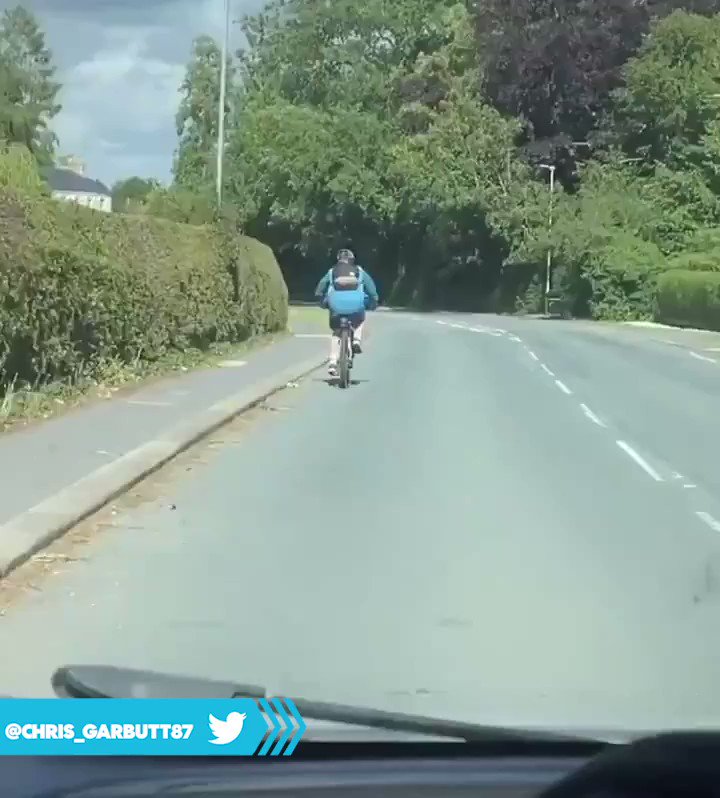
56 558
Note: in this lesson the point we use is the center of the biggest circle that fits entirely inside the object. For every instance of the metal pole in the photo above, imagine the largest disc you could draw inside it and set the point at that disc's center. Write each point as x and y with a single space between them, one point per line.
221 107
549 252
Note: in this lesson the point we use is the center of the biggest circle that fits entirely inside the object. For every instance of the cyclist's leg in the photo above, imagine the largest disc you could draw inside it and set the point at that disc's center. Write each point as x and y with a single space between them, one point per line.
358 327
334 345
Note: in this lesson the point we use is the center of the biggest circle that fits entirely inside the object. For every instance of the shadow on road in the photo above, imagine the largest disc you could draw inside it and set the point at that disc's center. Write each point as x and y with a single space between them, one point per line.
332 382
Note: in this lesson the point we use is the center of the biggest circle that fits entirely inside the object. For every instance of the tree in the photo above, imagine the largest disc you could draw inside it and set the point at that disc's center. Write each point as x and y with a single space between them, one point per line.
28 90
556 63
129 195
672 93
410 130
180 204
197 118
364 123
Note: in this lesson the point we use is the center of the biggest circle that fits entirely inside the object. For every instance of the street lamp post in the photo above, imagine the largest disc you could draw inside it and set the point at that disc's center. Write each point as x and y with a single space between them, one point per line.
221 107
551 168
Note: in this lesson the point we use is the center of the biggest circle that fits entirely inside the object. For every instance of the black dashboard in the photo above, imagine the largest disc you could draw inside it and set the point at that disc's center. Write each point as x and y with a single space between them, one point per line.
432 776
666 766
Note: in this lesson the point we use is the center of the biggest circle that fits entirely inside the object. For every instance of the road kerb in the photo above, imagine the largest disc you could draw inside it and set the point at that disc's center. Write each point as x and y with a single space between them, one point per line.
33 530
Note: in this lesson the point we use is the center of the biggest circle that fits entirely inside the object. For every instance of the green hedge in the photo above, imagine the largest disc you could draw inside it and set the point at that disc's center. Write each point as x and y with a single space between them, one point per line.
79 288
689 298
706 261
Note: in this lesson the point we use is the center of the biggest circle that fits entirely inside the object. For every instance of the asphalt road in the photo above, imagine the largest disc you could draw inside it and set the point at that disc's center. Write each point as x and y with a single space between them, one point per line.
504 521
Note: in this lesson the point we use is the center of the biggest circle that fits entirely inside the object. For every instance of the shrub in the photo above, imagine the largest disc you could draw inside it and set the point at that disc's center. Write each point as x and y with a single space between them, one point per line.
80 287
689 298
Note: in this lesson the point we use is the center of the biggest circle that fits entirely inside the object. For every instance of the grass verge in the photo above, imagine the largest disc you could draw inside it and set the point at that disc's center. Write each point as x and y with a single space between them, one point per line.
307 318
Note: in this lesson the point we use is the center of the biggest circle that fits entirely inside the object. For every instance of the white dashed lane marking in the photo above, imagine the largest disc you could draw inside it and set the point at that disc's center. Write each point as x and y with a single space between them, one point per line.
640 461
589 413
148 402
646 467
709 520
698 356
487 331
679 477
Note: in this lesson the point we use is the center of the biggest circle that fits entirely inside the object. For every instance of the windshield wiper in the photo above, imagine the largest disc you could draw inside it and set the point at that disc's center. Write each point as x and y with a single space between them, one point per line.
100 681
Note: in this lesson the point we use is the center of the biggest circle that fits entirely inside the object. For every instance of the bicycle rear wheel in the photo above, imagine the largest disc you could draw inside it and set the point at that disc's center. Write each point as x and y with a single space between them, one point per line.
344 359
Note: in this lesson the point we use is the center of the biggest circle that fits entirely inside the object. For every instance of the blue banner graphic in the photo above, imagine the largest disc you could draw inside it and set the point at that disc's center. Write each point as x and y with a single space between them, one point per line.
149 727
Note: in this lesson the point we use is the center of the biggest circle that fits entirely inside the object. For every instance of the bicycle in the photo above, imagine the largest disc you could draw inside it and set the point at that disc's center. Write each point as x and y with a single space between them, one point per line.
345 360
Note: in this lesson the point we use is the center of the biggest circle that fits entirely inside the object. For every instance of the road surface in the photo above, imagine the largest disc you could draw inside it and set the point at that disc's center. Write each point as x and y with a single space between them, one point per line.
505 520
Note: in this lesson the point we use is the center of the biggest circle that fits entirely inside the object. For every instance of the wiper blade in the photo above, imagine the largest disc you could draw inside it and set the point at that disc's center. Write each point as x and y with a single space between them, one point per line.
419 724
107 681
100 681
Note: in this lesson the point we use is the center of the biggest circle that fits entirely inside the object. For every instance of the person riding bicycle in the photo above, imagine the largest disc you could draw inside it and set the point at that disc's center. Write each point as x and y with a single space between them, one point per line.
346 290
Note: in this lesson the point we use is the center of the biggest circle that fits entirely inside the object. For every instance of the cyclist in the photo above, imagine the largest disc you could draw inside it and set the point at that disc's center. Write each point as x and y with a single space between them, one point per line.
346 290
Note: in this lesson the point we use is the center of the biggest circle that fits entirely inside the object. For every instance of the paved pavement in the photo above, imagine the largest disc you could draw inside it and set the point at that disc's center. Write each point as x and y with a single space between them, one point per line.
40 460
505 520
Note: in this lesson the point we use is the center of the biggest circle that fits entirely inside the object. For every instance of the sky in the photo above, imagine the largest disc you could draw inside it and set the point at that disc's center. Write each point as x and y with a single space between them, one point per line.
121 63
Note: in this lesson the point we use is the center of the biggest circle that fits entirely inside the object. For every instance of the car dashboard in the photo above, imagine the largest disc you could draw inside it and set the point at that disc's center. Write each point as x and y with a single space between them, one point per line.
683 764
352 773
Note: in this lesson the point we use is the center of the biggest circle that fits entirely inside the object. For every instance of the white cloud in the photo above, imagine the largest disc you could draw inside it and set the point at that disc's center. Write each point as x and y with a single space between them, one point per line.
121 64
119 94
118 102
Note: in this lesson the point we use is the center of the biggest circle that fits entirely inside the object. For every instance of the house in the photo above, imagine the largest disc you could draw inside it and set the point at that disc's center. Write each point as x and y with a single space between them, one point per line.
68 182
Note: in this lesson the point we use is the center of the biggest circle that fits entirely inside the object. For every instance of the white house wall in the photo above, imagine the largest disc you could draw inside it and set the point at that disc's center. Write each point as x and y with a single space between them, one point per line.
99 202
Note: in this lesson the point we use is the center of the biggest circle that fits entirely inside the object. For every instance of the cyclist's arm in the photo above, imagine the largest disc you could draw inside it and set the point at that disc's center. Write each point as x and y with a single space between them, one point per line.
370 287
322 286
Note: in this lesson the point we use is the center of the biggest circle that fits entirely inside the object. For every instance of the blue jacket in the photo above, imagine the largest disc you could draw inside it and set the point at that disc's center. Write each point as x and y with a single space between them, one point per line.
348 302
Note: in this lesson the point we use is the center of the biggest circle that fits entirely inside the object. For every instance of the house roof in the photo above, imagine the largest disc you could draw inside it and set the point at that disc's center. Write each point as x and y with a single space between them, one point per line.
67 180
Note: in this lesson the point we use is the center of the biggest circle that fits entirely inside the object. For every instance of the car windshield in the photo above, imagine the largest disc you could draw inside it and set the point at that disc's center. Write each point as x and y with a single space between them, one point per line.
470 473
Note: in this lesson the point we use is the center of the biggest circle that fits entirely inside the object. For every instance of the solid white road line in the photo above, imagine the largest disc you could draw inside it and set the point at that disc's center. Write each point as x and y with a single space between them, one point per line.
646 467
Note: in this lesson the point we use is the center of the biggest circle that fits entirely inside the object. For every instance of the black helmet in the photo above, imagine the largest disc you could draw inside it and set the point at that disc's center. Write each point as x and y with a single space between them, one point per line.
345 256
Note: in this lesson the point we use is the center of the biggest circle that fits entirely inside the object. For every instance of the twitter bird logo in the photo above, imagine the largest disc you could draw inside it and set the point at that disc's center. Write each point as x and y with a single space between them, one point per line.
228 730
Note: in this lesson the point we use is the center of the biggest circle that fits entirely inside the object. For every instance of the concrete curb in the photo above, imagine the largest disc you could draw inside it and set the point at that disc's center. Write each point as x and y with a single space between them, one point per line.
27 533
